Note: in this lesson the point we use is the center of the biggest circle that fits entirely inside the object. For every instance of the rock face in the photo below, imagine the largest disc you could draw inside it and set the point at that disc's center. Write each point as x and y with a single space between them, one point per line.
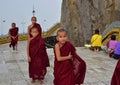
117 10
82 17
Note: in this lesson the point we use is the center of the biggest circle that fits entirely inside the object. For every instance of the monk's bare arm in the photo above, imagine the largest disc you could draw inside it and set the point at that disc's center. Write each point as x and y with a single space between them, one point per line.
28 44
28 56
58 55
28 48
28 31
28 41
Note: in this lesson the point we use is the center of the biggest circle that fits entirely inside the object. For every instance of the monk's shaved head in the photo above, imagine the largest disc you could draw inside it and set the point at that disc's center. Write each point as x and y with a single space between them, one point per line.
61 30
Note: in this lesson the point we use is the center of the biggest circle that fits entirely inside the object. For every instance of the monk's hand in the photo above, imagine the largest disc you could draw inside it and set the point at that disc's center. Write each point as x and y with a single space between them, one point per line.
70 56
29 59
30 26
12 37
30 39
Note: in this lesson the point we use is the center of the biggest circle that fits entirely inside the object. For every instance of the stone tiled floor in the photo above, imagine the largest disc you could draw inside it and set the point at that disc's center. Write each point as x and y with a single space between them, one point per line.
14 66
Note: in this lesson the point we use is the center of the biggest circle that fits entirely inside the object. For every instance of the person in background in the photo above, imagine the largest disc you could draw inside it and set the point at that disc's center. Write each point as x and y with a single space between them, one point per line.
111 45
116 54
34 24
116 75
96 41
69 68
13 33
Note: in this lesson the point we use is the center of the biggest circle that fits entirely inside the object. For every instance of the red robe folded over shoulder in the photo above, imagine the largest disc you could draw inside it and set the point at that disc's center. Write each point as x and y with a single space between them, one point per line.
39 58
116 76
69 72
36 25
14 32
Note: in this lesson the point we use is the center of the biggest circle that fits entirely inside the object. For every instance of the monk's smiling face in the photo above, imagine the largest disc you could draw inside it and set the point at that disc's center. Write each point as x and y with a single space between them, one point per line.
62 37
34 32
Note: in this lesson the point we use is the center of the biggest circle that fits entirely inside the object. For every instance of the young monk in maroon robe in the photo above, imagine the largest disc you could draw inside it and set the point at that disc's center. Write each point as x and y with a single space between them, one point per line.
69 68
37 55
13 33
116 76
34 25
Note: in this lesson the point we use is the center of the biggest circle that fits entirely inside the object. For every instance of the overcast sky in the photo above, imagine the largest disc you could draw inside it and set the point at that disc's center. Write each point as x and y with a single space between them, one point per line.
48 13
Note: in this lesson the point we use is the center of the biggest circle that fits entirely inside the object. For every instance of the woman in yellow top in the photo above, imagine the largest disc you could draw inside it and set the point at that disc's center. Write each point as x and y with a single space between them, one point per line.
96 41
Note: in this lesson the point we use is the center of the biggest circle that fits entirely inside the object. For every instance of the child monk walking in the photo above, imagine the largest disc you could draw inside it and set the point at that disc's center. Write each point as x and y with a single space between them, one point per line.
69 68
13 33
37 55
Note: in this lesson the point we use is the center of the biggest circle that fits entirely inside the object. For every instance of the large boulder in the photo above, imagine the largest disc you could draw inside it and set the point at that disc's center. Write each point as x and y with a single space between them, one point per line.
82 17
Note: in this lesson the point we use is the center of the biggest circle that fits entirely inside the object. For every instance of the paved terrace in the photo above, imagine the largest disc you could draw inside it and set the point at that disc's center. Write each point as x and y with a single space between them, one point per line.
14 66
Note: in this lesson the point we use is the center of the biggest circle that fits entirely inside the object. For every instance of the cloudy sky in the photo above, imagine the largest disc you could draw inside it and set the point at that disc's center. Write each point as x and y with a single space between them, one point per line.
48 13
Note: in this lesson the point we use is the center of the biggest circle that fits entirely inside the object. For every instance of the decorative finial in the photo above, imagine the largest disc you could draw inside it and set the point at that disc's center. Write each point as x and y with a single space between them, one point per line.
33 11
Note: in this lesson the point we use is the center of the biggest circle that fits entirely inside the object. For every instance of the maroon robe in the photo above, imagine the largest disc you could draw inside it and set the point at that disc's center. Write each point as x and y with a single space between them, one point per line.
36 25
69 72
116 76
39 58
13 32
